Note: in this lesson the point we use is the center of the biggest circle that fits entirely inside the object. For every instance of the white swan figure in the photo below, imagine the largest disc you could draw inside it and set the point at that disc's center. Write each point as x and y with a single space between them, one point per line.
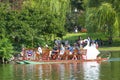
92 52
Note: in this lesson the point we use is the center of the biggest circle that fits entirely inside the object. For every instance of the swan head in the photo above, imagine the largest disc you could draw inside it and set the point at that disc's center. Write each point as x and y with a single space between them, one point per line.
86 40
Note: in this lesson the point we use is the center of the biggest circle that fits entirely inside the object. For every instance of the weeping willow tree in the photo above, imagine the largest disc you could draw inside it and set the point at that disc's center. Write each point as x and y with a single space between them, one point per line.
103 16
102 19
91 7
107 19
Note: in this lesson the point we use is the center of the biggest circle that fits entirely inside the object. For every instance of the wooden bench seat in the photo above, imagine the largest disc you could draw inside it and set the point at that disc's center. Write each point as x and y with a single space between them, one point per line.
45 54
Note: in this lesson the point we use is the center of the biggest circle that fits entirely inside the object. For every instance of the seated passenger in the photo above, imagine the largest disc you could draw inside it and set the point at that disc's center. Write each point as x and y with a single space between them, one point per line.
94 44
70 48
62 50
76 47
54 53
29 54
76 52
39 53
55 50
40 50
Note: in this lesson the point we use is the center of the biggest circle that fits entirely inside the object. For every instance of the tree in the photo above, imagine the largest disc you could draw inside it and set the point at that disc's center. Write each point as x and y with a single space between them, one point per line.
50 15
6 50
103 17
106 19
76 15
35 22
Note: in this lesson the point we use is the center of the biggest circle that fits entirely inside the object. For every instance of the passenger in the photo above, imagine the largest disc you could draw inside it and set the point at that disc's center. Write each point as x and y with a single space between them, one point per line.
93 44
76 51
66 42
55 51
77 48
70 48
29 54
39 53
68 51
57 42
81 44
40 50
62 51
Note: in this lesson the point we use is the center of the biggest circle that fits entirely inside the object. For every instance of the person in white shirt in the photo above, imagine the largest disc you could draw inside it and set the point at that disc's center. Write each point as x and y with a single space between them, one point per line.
40 50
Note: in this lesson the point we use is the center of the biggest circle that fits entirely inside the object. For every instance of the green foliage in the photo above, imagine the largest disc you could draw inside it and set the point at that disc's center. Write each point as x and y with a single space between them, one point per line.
77 4
35 23
6 48
116 29
106 18
102 16
91 20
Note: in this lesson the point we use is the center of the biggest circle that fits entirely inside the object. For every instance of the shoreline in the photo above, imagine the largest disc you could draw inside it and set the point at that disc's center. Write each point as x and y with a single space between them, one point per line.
109 49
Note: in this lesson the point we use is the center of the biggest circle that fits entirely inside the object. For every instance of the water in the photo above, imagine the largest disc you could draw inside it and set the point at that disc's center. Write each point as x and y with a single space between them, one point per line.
107 70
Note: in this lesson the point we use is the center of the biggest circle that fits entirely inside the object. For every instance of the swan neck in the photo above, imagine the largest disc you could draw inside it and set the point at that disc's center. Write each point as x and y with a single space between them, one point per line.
88 42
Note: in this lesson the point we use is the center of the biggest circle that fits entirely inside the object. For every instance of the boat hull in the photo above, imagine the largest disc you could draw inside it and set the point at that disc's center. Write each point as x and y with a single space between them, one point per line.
59 61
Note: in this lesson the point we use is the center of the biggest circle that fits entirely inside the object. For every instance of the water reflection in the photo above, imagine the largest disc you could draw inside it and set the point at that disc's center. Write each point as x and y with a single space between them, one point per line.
73 71
91 70
6 72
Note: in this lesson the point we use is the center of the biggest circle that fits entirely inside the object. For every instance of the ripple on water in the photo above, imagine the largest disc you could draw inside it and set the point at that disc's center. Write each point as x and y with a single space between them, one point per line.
114 59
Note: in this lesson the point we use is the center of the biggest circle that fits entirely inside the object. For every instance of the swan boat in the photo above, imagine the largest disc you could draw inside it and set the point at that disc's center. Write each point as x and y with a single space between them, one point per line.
104 57
89 54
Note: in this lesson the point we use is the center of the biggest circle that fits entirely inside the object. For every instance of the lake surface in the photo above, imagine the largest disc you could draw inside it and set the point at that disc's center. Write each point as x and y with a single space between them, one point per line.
107 70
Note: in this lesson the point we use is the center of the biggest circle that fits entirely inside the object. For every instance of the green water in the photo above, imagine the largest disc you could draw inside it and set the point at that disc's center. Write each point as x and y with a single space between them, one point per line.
107 70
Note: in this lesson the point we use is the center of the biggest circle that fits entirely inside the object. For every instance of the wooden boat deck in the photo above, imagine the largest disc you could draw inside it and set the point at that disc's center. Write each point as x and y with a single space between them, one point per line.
59 61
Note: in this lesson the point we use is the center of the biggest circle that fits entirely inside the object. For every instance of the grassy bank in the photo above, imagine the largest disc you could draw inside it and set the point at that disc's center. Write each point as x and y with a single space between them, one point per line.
115 46
109 48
